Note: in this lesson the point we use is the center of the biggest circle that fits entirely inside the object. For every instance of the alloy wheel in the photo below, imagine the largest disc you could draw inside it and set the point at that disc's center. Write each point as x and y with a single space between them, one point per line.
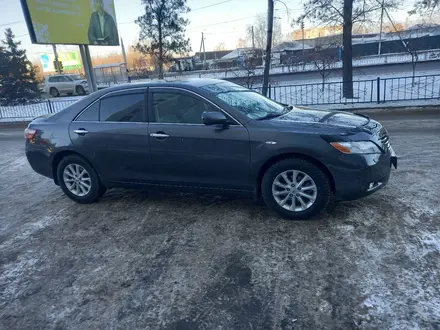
294 190
77 180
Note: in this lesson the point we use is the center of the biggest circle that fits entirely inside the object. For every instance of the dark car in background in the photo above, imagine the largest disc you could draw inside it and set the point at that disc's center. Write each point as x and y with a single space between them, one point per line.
210 136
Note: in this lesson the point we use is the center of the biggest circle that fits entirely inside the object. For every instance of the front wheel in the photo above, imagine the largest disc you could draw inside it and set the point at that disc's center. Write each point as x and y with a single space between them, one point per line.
78 180
296 189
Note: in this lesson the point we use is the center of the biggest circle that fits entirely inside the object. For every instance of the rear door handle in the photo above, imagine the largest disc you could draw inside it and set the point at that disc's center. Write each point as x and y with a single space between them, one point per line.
159 135
80 131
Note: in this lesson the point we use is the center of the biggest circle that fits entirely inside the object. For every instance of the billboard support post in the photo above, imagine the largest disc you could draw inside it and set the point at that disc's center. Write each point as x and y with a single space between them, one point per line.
55 53
92 71
88 68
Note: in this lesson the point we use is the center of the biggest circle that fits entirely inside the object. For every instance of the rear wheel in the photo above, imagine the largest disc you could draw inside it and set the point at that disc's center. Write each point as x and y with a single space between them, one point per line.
78 180
54 92
296 189
80 90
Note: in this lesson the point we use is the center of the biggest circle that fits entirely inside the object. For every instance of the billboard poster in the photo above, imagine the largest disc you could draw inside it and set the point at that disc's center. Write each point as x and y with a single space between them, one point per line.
71 22
70 60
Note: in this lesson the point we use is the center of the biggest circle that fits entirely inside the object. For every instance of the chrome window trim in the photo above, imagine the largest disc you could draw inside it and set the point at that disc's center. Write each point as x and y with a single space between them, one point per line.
151 89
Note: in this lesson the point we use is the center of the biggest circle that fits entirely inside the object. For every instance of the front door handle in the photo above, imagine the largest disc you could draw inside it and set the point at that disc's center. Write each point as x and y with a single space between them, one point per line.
81 131
159 135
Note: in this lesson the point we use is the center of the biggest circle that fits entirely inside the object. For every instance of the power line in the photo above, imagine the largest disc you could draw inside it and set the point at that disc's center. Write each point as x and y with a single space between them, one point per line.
212 5
11 23
225 22
192 10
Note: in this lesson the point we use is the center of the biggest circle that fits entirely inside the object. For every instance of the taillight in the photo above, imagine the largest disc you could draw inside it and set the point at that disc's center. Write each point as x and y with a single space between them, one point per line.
29 133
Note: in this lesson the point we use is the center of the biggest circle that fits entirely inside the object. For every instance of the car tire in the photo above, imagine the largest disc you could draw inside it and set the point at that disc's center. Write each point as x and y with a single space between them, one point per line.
296 206
54 92
89 190
80 90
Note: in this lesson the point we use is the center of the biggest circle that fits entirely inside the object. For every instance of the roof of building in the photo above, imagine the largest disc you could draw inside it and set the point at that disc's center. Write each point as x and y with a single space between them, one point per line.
111 65
290 45
212 55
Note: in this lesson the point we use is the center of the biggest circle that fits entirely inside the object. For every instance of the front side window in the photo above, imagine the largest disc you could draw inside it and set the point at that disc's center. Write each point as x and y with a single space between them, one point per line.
252 104
123 108
53 79
179 108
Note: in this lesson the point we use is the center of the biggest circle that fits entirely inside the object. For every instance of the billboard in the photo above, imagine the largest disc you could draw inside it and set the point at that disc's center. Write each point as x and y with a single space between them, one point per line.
71 22
70 60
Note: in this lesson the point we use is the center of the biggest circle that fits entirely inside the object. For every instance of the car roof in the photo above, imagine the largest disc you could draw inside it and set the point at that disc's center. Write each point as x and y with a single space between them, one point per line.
194 82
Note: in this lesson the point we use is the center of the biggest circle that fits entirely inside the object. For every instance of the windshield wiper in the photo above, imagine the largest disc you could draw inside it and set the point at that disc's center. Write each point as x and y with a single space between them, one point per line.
270 115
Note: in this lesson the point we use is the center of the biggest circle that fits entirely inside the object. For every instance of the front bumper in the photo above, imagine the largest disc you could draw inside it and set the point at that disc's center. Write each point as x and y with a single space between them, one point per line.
371 174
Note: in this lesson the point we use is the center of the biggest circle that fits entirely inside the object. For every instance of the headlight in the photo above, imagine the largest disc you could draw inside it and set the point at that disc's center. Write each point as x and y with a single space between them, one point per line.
358 147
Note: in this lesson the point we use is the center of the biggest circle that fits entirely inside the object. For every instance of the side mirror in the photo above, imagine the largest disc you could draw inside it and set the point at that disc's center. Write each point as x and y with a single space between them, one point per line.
214 118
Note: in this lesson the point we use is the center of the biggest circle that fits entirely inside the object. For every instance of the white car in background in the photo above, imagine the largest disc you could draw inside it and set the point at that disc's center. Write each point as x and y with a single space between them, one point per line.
65 84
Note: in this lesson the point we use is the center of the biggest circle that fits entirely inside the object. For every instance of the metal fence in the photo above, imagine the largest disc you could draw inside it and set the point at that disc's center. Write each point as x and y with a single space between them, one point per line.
379 90
32 110
399 89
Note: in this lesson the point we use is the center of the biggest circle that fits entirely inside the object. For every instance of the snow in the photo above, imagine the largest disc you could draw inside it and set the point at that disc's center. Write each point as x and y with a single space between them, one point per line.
30 111
396 92
377 60
401 91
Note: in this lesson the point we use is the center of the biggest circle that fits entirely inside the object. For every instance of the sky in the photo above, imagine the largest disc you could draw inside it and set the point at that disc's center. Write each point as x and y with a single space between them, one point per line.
220 21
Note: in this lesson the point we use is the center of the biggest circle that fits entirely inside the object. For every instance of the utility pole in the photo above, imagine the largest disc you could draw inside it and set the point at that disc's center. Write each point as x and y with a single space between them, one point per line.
253 38
124 54
381 25
125 60
55 53
267 62
302 33
202 46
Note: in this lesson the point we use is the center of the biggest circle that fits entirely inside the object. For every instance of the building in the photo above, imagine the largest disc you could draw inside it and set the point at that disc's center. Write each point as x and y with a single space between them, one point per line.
317 32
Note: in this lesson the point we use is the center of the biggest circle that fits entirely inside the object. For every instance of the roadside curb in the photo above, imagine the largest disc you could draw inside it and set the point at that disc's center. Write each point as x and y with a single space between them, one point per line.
15 124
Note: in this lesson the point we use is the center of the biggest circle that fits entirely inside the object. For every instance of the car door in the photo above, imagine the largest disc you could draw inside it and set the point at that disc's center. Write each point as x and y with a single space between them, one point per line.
113 134
69 84
184 151
62 84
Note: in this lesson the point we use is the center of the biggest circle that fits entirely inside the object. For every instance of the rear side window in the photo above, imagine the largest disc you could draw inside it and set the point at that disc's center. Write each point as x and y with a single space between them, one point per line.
91 114
123 108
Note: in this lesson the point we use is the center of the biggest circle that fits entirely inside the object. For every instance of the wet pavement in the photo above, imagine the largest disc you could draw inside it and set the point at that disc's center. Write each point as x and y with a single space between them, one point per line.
138 260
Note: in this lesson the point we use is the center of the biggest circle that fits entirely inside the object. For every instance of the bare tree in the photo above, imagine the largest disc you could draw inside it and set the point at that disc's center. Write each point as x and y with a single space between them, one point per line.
220 46
345 13
242 43
426 6
324 59
411 40
260 32
250 79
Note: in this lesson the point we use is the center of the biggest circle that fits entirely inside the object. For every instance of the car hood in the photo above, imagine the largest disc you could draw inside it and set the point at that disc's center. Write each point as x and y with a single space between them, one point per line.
325 117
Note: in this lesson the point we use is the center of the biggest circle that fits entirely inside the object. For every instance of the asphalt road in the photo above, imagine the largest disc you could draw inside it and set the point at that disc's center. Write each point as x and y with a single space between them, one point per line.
149 261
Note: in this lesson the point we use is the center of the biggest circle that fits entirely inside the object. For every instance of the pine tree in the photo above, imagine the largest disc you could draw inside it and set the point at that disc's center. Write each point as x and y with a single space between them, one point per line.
18 82
163 30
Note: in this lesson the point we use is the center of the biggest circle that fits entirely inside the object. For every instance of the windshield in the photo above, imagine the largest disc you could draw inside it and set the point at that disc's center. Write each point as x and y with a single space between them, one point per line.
252 104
